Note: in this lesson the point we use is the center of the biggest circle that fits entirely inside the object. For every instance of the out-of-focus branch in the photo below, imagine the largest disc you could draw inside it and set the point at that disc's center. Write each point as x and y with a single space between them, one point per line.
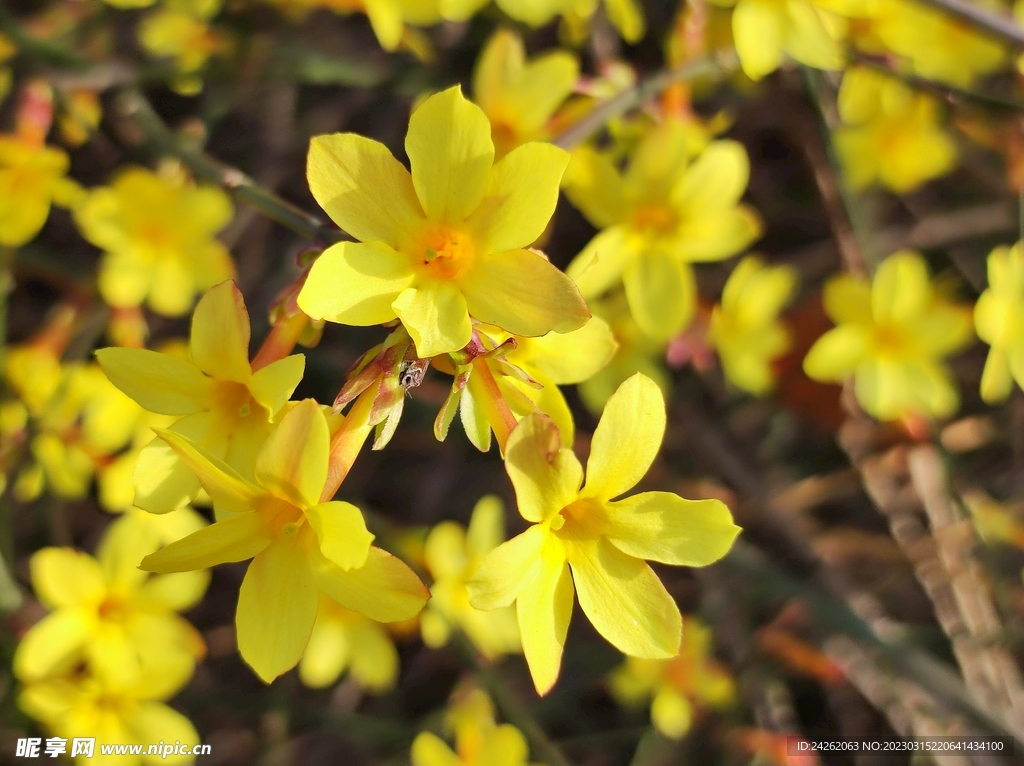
707 66
131 105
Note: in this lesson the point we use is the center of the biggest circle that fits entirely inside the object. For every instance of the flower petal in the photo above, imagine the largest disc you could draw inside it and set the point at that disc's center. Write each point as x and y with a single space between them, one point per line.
717 234
163 481
600 264
520 198
627 439
450 150
486 529
124 544
500 577
220 334
545 475
661 526
836 354
428 749
901 289
292 463
153 721
847 299
662 293
363 188
274 384
715 181
384 589
522 293
567 358
436 316
277 606
66 577
757 29
624 600
235 538
505 746
355 283
225 486
159 382
52 643
544 608
342 533
595 187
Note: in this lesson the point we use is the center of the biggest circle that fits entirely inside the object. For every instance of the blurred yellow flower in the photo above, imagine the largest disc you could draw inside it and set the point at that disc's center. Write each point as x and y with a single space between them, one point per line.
157 233
221 403
892 133
80 704
676 686
766 31
664 213
32 177
937 45
999 319
78 419
518 96
179 30
452 556
892 335
444 244
346 640
604 542
479 741
112 615
745 327
293 561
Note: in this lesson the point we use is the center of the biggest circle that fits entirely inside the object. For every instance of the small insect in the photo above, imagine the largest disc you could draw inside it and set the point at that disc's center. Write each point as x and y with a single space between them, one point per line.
411 372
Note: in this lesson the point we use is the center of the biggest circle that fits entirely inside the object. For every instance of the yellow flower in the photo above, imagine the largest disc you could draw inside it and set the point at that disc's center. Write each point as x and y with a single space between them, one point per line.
938 46
452 556
79 419
445 243
80 704
892 335
691 679
111 614
295 561
343 639
520 97
180 31
745 328
664 213
32 177
765 31
892 134
157 234
635 352
479 741
604 541
497 387
222 404
999 319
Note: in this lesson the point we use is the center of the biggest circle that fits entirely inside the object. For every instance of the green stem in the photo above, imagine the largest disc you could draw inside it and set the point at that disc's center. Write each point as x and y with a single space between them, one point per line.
707 66
132 105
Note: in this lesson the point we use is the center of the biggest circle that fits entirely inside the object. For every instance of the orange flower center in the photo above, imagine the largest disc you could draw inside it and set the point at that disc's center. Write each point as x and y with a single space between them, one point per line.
890 340
657 219
582 518
113 609
232 401
445 253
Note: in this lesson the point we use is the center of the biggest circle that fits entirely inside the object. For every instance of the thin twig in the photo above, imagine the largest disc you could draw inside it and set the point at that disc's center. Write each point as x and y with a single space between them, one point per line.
707 66
133 106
